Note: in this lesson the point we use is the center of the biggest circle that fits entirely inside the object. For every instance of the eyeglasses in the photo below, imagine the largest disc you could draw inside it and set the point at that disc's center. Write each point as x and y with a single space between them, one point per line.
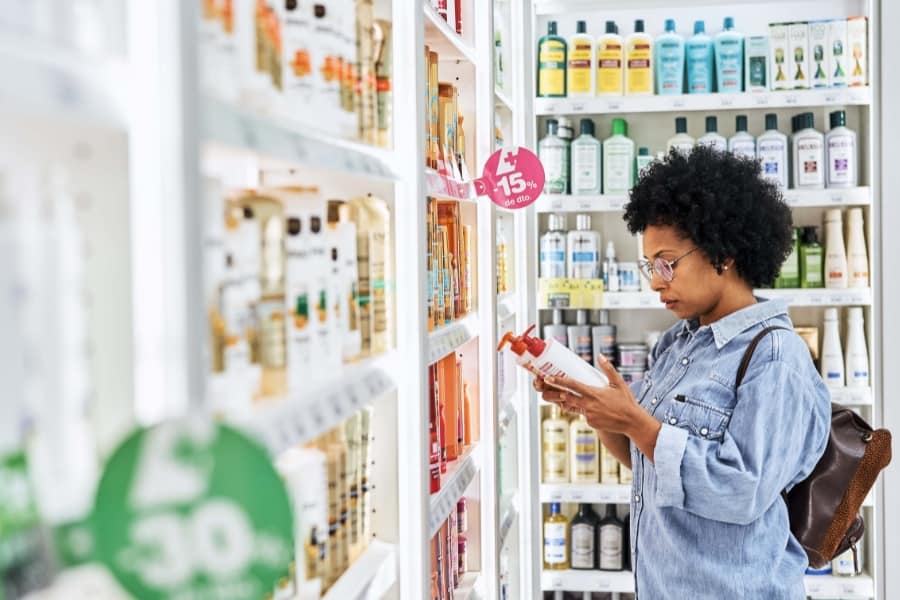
664 268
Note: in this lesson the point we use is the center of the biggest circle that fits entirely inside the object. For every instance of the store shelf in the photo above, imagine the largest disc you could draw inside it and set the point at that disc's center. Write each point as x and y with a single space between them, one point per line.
506 305
591 493
451 337
604 105
272 137
846 588
501 99
509 512
469 587
507 412
852 396
42 78
588 581
299 418
559 203
370 576
454 483
441 186
794 297
443 39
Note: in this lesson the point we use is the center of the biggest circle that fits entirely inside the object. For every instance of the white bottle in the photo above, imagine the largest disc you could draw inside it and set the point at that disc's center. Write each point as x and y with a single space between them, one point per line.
554 448
618 160
712 137
840 144
583 250
586 155
581 72
611 269
681 140
584 452
832 361
835 254
553 359
809 155
553 249
554 154
772 151
742 143
856 366
843 565
857 256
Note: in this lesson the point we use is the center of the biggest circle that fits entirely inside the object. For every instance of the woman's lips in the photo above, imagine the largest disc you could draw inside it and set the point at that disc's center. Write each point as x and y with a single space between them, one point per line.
669 303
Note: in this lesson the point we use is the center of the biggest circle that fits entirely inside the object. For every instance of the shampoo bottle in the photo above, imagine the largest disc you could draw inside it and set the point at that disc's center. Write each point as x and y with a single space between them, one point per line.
856 368
639 62
832 361
840 149
699 61
586 153
556 540
583 249
554 155
742 143
641 162
584 454
809 154
612 541
772 151
811 260
555 446
835 254
618 160
789 277
553 249
611 269
681 141
551 358
557 330
584 531
669 52
857 256
551 64
580 337
581 74
712 137
610 62
729 59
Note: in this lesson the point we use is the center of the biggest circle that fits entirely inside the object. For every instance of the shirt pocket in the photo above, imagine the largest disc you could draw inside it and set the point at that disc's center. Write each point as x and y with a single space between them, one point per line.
697 417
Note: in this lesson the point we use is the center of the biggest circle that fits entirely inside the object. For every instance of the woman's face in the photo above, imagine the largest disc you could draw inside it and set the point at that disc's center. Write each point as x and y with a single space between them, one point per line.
696 289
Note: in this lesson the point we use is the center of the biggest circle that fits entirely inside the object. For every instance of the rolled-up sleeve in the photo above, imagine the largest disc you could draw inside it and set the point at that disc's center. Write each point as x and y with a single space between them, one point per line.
777 432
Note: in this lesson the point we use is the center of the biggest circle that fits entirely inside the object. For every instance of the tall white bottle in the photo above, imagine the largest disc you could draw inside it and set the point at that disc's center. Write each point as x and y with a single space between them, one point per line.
583 250
857 256
809 154
586 153
832 362
835 254
856 368
553 249
584 452
840 148
772 151
742 143
611 269
712 137
681 140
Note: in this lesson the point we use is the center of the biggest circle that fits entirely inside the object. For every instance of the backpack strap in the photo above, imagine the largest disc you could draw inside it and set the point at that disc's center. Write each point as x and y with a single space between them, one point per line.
748 354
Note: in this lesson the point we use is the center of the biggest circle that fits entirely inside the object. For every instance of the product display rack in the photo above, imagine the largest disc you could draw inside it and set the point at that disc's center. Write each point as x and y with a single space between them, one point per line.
649 119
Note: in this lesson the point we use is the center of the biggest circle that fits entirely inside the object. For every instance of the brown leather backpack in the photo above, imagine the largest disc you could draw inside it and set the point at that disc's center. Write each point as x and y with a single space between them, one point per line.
824 507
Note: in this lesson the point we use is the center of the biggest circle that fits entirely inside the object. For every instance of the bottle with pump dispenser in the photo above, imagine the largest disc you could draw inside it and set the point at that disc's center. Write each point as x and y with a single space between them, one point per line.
669 53
639 62
832 359
552 50
840 149
809 154
772 151
857 256
580 337
610 62
699 61
618 160
835 253
681 141
712 137
856 367
552 359
729 59
583 250
742 143
554 154
581 74
611 269
587 152
553 248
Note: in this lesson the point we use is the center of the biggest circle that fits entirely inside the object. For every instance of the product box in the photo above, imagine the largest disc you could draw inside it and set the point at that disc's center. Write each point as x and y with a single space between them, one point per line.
837 53
798 55
819 33
756 56
858 50
779 64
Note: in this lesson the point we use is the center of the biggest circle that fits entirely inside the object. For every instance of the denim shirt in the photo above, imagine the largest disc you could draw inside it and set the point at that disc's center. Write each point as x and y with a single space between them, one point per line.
708 520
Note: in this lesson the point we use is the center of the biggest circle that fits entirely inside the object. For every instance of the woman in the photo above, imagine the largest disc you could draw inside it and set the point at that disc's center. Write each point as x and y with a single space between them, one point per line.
710 462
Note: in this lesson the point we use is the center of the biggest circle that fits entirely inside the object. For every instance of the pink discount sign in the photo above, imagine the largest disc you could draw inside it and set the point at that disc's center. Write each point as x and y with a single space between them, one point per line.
513 178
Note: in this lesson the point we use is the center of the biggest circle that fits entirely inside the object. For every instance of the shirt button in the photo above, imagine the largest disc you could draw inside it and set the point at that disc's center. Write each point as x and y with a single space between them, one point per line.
704 431
654 401
672 421
685 361
637 497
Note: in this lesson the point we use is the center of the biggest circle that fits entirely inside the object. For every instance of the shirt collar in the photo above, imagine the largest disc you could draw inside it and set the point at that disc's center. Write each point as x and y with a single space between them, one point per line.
727 328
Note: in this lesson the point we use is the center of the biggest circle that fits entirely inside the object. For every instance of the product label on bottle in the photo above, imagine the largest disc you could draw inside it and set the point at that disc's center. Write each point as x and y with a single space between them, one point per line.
841 158
619 170
756 76
552 68
746 148
555 543
585 168
670 64
609 68
699 68
581 68
611 546
730 65
583 540
556 168
772 157
639 74
813 271
809 163
835 277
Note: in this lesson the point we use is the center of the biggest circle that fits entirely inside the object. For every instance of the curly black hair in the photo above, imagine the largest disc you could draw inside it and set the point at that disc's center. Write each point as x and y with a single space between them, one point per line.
720 202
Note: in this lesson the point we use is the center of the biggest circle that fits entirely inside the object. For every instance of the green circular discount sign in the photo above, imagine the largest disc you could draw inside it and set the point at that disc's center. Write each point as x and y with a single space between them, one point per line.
192 510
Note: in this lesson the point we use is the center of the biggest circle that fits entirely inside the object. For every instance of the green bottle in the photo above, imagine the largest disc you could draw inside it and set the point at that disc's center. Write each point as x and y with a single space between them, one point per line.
789 277
552 57
812 260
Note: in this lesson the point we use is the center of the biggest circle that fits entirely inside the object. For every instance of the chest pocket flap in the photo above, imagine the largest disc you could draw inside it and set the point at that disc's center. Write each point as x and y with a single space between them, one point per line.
700 419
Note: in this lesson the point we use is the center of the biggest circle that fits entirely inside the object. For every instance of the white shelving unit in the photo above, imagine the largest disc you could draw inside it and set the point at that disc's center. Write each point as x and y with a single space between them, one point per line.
372 575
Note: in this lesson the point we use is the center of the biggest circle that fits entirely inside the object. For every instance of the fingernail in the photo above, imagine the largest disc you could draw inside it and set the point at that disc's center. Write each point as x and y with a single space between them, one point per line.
549 380
601 358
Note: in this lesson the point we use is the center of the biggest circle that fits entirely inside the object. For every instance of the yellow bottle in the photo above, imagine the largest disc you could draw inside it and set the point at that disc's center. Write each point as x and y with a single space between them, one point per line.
554 434
639 62
610 62
580 72
556 540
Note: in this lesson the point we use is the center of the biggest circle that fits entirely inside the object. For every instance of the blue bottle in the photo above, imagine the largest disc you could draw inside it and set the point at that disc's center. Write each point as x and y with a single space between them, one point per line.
699 57
669 54
730 59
